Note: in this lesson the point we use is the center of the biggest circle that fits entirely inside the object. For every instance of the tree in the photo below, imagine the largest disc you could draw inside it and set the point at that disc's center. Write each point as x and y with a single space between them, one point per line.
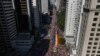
62 41
61 20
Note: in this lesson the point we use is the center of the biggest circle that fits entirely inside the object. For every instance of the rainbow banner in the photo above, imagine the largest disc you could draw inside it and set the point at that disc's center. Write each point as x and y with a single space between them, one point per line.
56 40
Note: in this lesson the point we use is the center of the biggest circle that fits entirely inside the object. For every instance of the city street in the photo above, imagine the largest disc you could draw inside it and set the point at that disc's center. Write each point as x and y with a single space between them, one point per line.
53 28
45 47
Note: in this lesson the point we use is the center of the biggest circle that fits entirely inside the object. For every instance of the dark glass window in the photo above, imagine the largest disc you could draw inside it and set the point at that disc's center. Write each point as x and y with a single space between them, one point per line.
94 24
98 29
90 38
99 24
87 54
92 54
89 47
90 43
98 51
88 51
93 51
98 7
93 29
98 47
97 55
92 34
94 47
96 39
96 13
95 43
98 34
98 1
95 19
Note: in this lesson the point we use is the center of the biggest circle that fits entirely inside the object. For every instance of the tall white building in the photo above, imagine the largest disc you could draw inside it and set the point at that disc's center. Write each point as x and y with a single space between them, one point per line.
56 3
89 37
44 6
73 11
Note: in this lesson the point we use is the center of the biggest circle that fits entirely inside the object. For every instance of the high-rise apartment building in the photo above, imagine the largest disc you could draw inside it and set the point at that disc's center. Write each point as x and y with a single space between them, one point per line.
89 37
7 26
73 10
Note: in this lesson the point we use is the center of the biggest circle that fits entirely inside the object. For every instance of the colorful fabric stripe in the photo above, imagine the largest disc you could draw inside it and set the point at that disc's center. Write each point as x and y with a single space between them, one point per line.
56 39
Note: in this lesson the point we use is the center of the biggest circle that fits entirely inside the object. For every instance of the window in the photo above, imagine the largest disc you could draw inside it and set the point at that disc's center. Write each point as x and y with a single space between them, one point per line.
98 7
87 54
94 47
93 29
93 51
96 13
98 29
91 34
97 55
99 24
96 39
94 24
92 54
98 34
98 47
98 1
90 43
98 51
89 47
88 51
90 38
95 43
95 19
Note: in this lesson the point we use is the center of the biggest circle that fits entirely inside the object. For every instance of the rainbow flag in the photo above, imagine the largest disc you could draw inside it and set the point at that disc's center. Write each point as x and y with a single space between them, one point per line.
56 40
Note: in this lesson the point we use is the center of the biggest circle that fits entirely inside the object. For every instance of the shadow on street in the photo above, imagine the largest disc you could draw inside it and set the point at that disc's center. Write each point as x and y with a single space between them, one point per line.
41 48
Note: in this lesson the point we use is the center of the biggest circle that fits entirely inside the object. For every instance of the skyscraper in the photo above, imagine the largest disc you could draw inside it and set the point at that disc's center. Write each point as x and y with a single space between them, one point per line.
23 42
89 37
40 12
73 10
36 9
23 18
7 26
44 6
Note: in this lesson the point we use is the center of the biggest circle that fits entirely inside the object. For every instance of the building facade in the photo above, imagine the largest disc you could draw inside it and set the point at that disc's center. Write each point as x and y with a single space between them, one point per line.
23 42
7 26
36 8
44 6
89 41
73 11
